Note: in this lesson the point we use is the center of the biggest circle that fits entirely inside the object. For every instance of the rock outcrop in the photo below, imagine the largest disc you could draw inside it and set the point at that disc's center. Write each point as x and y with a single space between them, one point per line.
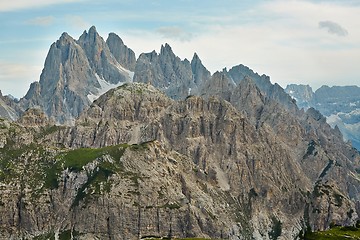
166 72
138 164
8 108
123 55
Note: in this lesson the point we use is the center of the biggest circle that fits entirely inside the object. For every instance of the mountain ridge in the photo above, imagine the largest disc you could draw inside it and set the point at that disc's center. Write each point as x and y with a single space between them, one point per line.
174 152
340 105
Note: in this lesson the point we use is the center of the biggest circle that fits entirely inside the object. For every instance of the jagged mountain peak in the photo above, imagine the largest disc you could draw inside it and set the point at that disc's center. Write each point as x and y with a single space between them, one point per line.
196 60
113 35
232 162
77 72
65 37
123 55
166 50
195 57
91 40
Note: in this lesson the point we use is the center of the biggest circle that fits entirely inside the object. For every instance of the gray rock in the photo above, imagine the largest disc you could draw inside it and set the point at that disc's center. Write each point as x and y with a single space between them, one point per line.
73 71
123 55
166 72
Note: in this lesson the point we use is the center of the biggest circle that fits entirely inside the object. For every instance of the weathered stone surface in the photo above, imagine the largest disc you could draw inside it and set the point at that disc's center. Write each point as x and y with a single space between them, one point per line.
8 108
166 72
123 55
340 105
227 155
199 167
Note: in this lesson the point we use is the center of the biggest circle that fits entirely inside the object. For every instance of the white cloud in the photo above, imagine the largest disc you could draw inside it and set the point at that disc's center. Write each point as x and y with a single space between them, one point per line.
283 41
16 78
41 21
77 22
24 4
174 33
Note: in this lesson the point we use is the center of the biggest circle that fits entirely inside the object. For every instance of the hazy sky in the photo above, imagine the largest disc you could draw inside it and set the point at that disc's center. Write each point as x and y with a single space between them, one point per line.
310 42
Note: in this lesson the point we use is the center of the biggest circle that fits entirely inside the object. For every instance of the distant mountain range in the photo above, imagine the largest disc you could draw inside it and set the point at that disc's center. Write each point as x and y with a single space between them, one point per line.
340 105
107 146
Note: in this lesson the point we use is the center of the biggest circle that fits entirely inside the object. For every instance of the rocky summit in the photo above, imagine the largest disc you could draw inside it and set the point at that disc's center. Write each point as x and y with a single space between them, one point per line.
177 153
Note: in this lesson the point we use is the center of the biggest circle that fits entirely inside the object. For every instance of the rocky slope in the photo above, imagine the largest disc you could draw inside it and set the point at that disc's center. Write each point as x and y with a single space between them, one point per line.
137 164
8 108
339 104
226 156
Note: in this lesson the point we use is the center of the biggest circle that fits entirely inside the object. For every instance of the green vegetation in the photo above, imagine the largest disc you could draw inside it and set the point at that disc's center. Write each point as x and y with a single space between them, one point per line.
66 235
76 159
93 185
98 181
335 233
326 169
46 236
275 229
43 167
310 150
48 130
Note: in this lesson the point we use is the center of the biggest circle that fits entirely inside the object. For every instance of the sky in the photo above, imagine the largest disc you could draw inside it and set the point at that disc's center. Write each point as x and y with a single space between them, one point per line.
292 41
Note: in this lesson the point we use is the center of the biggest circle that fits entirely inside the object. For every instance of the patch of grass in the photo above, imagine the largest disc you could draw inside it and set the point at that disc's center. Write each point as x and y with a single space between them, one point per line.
68 235
326 169
139 147
48 130
275 229
46 236
310 150
335 233
338 199
93 185
76 159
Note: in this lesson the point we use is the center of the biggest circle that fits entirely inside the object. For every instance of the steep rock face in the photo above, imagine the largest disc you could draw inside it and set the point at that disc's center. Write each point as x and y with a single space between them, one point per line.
6 108
34 117
74 74
166 72
221 175
303 94
238 161
273 91
100 58
339 104
123 55
219 85
248 99
200 73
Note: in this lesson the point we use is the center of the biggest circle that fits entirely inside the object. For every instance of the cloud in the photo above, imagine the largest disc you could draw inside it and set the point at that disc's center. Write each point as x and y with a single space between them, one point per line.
333 28
77 22
175 33
41 21
15 78
7 6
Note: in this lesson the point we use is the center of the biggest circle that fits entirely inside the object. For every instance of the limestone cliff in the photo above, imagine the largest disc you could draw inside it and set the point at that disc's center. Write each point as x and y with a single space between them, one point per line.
138 164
